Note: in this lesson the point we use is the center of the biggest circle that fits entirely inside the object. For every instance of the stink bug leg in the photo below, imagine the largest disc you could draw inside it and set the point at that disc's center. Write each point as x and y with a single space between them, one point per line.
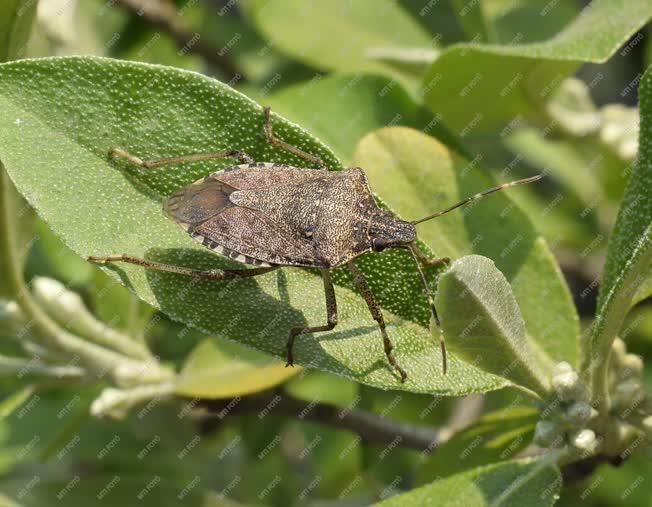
368 296
214 275
275 141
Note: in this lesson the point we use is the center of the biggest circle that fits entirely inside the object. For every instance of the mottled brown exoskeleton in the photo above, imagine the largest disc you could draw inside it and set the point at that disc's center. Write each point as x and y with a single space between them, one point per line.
271 215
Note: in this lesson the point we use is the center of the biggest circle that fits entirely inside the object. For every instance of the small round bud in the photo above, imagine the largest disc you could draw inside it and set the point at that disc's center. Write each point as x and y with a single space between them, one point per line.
631 366
567 385
584 440
647 426
562 367
618 351
546 433
628 394
11 312
579 413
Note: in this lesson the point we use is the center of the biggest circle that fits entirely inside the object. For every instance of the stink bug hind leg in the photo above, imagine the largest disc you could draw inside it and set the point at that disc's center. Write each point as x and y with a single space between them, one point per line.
212 274
240 156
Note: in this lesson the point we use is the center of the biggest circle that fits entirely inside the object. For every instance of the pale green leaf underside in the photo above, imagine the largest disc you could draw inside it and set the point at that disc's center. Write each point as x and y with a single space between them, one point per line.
484 324
511 484
484 86
221 369
58 119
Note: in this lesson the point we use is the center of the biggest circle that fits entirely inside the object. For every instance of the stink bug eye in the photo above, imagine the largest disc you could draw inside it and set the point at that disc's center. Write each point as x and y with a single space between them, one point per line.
273 215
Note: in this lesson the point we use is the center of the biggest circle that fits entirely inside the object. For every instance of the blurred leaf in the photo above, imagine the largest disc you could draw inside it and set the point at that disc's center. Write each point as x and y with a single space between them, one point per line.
100 207
482 322
227 370
471 18
481 87
16 17
65 264
417 176
359 104
629 255
494 437
340 35
9 404
521 21
513 484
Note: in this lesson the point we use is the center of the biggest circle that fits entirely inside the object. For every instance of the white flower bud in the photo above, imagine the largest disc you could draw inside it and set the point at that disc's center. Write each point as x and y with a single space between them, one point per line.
618 351
57 299
584 440
546 433
631 366
647 427
567 385
11 312
562 367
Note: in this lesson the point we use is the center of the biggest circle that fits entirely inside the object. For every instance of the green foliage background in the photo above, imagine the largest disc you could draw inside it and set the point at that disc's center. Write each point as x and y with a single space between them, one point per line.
436 101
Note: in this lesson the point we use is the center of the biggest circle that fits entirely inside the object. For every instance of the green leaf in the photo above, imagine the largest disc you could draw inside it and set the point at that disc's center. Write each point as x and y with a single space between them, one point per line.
416 175
340 35
513 484
56 152
376 101
16 18
482 87
629 254
494 437
483 324
227 370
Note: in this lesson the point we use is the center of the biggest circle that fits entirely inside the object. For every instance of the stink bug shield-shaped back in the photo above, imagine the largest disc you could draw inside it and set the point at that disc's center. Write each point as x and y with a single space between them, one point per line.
271 215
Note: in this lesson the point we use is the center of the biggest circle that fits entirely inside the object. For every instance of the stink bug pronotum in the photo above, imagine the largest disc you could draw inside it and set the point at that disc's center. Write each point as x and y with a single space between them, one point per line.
272 215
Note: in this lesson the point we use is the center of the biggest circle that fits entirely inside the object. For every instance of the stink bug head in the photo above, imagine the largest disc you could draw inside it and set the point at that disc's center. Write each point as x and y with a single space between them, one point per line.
387 231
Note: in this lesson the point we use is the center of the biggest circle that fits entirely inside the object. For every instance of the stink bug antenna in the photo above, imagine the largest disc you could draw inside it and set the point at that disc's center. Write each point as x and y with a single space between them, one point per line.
480 195
431 301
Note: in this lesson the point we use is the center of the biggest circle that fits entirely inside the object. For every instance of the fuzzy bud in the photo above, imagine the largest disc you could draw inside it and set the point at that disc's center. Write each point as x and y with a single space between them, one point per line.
546 433
579 413
584 440
567 385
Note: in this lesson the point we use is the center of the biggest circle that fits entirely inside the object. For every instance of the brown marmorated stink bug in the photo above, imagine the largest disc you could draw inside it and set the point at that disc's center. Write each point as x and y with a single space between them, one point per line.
272 215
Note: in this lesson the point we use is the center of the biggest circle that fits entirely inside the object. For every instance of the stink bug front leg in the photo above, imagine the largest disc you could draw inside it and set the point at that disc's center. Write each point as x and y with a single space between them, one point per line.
368 296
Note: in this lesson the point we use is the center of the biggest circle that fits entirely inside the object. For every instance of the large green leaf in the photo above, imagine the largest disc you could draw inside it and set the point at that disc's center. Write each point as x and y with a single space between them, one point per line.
476 86
58 119
514 484
16 18
480 315
416 175
496 436
629 257
341 35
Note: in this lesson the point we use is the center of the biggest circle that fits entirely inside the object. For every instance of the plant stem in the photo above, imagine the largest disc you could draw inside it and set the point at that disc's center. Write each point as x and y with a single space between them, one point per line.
370 427
163 15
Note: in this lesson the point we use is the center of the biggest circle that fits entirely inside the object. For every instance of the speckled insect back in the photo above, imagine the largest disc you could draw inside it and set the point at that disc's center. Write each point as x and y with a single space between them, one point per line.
272 215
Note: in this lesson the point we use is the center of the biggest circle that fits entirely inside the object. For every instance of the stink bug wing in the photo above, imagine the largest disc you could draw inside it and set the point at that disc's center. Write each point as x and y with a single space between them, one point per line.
204 209
198 202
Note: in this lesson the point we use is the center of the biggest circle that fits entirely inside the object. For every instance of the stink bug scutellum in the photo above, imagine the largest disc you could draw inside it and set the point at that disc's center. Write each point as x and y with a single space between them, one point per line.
272 215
